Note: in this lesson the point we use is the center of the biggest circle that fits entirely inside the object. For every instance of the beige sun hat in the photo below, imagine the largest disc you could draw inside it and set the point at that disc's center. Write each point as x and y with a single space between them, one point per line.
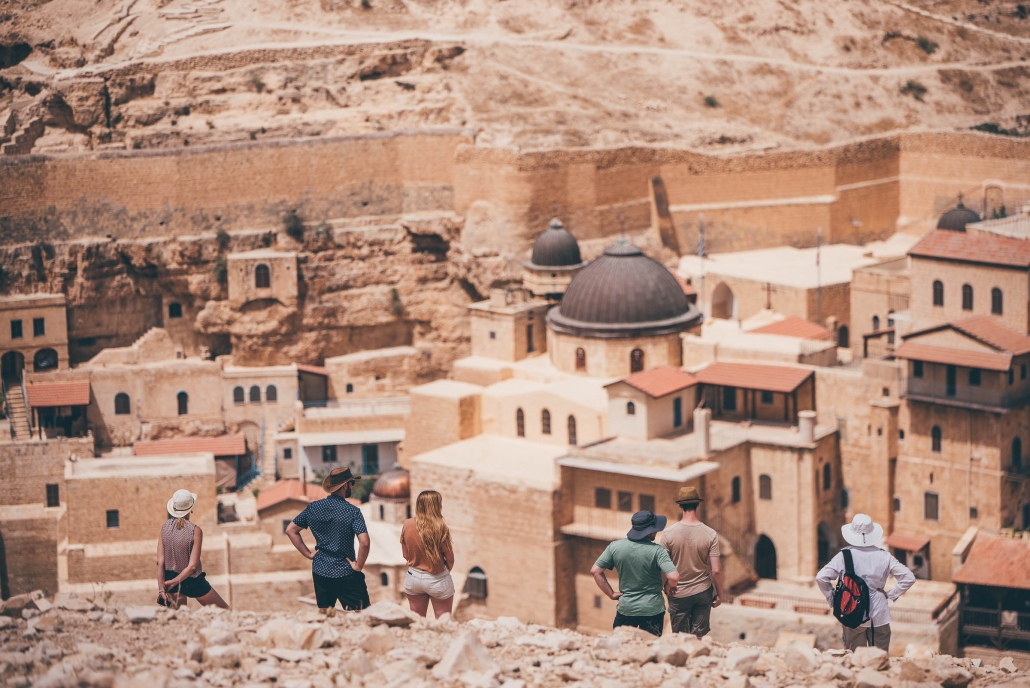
181 503
862 532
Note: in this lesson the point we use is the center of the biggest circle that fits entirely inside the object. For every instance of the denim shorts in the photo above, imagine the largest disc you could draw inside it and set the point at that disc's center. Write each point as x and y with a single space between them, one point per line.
439 586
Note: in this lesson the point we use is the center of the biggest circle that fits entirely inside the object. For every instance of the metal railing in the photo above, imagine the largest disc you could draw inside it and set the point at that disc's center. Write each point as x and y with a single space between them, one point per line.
347 408
994 622
928 388
25 402
7 408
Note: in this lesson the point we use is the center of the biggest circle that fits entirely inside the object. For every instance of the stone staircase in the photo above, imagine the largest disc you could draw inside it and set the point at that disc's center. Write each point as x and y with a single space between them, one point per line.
19 414
22 140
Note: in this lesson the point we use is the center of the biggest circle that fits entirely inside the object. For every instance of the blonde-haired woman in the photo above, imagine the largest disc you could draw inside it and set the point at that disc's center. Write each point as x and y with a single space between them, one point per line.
179 572
426 545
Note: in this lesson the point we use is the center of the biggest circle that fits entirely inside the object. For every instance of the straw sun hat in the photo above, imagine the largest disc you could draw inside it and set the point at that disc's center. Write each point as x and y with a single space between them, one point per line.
181 503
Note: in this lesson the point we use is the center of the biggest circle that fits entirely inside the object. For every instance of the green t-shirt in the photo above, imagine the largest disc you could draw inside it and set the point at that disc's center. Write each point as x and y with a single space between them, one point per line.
640 564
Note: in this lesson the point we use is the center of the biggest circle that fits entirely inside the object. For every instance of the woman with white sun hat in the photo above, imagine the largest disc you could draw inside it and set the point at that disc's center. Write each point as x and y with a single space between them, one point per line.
180 574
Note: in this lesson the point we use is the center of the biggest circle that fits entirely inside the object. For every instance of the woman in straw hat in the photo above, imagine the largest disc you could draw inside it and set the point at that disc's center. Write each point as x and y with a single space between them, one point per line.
426 545
179 572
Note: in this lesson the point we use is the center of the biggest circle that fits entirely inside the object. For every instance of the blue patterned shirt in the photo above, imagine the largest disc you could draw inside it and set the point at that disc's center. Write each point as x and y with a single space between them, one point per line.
334 522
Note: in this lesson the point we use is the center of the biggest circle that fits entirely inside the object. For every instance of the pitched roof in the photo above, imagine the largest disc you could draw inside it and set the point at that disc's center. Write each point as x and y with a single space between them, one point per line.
659 382
959 357
982 247
996 561
991 332
317 370
284 490
769 378
910 543
223 445
793 326
74 393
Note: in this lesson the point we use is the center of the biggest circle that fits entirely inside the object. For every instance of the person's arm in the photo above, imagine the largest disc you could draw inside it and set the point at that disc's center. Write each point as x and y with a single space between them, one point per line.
903 577
198 544
602 582
293 532
670 574
827 574
717 580
364 544
160 562
404 545
672 579
448 555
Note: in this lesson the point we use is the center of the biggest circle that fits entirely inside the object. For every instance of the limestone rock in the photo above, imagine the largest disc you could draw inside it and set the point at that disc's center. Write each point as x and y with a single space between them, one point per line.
674 656
870 658
379 641
871 678
223 656
264 673
289 634
1007 665
800 659
216 635
552 640
14 604
194 652
696 648
742 659
465 653
72 602
48 623
138 615
951 677
288 655
388 613
6 622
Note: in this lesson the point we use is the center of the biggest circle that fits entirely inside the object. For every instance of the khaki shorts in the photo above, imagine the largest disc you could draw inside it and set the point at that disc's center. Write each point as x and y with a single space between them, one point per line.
439 586
692 614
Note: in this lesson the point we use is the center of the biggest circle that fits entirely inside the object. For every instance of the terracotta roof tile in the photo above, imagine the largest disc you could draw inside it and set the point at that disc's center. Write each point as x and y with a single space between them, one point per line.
992 332
284 490
750 376
909 543
793 326
317 370
996 561
75 393
983 247
659 382
959 357
223 445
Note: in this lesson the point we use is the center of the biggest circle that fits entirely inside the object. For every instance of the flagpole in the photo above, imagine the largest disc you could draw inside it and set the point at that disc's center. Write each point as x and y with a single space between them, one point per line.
701 255
818 276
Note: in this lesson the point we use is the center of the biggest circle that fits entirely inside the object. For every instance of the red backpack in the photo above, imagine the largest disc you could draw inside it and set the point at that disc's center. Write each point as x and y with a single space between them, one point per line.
851 598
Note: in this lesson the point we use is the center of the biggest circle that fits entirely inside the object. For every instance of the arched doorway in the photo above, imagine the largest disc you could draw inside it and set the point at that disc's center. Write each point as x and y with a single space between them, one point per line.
765 557
11 365
826 543
843 337
723 304
44 360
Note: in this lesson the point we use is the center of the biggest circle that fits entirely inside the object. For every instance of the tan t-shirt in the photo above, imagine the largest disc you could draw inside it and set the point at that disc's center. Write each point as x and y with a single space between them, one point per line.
691 547
417 557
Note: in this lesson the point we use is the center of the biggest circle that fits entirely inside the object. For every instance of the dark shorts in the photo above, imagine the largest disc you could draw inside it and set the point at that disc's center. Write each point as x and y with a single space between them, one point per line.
652 624
692 614
191 587
349 590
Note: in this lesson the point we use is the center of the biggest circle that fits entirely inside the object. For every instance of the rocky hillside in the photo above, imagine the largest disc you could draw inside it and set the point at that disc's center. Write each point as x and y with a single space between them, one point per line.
739 74
71 642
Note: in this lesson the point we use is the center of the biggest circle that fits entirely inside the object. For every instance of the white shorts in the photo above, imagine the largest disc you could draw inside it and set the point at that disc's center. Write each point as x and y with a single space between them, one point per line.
439 586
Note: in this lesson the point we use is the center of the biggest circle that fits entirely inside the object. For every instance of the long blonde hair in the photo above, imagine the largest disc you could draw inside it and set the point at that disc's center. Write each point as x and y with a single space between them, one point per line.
436 536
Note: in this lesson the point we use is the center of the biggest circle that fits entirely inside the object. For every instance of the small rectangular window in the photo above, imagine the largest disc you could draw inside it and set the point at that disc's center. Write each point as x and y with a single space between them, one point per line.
646 502
493 335
931 507
38 327
974 513
288 453
112 518
16 332
917 368
625 501
329 453
53 495
974 377
729 398
767 397
602 498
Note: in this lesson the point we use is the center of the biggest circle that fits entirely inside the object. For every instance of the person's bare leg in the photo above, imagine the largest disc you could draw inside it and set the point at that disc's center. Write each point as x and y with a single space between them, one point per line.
420 604
441 607
178 599
213 598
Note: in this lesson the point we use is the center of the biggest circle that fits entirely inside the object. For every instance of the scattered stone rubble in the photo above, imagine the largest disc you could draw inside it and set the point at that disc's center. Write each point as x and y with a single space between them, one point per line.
71 642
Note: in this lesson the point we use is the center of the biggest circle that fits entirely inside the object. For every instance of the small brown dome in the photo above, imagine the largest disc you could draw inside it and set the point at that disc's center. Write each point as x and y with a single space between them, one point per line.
957 218
556 248
393 484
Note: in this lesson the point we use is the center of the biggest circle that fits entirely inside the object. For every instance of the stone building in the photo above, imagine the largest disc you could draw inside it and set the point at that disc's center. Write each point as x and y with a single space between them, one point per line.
33 334
555 261
262 275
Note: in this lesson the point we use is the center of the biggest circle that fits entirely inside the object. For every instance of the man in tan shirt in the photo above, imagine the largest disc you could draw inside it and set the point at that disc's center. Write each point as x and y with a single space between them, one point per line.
694 549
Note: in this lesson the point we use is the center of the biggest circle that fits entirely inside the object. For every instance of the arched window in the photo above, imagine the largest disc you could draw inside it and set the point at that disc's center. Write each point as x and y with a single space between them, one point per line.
238 395
382 512
122 407
384 580
581 359
827 477
677 412
764 487
271 393
475 584
44 360
843 337
520 423
350 388
997 301
935 439
938 293
967 297
876 323
262 277
735 490
636 361
255 394
545 422
896 505
631 408
183 400
174 310
1017 452
572 430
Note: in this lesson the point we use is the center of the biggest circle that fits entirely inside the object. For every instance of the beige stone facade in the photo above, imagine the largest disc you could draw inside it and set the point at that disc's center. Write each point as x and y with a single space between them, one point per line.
263 275
611 358
877 293
982 279
508 328
33 334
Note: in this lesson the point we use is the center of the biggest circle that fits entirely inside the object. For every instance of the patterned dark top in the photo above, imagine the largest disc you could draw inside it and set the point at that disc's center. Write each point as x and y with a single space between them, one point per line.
334 522
178 546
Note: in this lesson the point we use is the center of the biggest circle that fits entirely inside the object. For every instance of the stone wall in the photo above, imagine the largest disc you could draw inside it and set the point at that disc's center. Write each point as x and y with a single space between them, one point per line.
29 538
28 467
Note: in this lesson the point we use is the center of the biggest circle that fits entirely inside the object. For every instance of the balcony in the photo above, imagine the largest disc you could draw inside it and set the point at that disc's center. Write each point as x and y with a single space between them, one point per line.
966 396
1000 625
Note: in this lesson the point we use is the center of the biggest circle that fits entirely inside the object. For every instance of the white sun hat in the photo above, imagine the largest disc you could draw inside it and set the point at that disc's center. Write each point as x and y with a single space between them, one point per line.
181 503
862 532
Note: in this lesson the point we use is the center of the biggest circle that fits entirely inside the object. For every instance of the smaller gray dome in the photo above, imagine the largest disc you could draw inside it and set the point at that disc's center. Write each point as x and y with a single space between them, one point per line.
556 248
957 218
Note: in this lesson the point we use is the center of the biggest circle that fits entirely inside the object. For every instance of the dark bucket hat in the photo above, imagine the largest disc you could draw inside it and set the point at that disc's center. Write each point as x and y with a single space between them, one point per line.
645 523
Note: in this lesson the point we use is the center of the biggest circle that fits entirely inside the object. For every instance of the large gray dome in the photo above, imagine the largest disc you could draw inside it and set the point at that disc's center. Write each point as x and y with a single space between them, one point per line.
623 293
556 248
957 218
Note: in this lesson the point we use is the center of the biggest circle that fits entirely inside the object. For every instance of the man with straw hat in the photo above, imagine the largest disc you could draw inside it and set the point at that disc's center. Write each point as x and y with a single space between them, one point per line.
694 549
874 566
335 522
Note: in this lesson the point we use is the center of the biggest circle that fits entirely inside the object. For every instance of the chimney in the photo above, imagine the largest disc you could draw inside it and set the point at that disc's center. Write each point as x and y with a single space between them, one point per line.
702 428
806 427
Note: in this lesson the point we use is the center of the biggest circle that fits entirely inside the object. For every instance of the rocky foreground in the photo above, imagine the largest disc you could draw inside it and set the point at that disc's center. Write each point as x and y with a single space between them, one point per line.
73 642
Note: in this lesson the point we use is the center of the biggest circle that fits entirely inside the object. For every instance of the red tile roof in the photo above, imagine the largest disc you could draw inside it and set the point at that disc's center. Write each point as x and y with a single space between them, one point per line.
75 393
793 326
317 370
659 382
750 376
959 357
688 289
284 490
223 445
990 331
996 561
909 543
983 247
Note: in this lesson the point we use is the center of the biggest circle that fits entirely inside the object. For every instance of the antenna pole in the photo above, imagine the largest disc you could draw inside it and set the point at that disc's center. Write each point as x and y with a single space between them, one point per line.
818 276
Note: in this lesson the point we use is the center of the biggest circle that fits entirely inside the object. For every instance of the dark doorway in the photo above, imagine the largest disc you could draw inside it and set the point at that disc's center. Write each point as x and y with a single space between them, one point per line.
370 459
826 543
843 340
11 365
949 381
765 558
44 360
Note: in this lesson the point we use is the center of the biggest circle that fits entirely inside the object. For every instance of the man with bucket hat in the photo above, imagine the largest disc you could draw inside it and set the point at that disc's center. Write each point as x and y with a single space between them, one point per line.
873 565
641 565
335 522
694 549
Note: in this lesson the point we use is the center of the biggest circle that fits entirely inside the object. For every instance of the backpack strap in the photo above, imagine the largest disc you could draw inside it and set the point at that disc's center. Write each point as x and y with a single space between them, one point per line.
849 564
